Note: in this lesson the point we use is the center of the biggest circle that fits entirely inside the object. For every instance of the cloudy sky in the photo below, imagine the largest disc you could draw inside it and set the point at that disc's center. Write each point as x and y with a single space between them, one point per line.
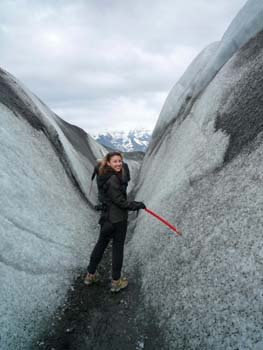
107 64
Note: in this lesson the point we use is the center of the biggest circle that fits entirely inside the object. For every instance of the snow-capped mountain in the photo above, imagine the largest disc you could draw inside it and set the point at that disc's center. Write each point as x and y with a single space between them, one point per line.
126 141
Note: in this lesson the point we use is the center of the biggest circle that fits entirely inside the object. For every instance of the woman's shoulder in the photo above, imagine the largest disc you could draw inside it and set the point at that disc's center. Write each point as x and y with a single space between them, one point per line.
114 179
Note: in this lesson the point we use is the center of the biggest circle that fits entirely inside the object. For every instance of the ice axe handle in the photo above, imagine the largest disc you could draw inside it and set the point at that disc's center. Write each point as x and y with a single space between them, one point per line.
164 221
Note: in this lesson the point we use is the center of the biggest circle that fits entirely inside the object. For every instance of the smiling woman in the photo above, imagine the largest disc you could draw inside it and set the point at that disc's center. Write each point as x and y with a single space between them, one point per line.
113 220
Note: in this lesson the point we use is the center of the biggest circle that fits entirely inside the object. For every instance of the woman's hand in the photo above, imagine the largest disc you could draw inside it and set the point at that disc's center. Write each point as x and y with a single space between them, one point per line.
139 205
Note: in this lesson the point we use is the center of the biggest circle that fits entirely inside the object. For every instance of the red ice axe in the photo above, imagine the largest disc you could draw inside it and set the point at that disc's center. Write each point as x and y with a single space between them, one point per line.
163 221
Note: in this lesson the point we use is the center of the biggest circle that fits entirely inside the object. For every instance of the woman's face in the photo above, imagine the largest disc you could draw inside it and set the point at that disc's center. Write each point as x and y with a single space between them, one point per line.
116 163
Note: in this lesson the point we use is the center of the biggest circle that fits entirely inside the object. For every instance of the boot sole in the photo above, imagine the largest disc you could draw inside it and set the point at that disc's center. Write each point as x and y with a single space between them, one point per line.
113 290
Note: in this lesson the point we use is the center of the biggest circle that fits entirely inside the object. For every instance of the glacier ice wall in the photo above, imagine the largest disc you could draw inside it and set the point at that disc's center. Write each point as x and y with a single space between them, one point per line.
246 24
203 173
46 231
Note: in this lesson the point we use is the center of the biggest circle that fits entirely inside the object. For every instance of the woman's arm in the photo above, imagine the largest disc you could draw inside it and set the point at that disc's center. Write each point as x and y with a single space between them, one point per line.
118 198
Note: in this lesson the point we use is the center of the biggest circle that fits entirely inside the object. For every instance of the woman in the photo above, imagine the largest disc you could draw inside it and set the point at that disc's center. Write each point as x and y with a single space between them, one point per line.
113 219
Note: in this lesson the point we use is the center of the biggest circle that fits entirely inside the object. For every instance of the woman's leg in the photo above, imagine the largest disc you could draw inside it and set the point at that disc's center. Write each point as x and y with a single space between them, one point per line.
119 235
97 253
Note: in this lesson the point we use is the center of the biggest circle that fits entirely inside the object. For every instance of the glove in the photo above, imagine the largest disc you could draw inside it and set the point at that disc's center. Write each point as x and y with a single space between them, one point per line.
139 205
100 207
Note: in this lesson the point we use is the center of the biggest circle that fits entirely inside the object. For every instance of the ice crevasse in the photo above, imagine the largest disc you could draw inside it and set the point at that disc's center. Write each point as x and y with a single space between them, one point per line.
202 171
206 157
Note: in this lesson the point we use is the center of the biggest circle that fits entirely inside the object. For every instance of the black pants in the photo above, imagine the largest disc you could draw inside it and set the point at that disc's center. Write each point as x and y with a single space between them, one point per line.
108 231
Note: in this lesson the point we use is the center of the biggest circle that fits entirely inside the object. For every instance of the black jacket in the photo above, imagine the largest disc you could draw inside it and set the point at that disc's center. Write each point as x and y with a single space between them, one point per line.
114 188
125 178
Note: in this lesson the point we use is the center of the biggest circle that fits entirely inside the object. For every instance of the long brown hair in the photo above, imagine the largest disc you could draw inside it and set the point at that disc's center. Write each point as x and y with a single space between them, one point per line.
104 168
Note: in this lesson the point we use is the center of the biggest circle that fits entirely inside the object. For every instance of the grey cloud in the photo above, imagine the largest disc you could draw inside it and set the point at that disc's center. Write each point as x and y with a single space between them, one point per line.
81 57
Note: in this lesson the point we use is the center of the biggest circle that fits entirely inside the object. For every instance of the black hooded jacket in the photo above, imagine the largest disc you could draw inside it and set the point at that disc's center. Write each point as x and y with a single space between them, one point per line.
113 190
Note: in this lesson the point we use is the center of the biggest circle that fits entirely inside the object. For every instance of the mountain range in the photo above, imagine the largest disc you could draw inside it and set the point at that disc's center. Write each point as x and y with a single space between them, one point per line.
125 141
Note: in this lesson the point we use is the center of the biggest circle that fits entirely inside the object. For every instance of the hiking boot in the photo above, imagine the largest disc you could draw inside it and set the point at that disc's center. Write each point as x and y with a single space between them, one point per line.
91 279
116 286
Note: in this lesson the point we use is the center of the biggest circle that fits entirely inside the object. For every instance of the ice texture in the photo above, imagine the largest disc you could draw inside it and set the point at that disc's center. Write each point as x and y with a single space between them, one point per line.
46 231
70 142
204 175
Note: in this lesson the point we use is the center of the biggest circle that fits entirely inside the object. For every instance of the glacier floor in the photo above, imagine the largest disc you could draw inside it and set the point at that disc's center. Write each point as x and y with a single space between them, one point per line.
94 318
